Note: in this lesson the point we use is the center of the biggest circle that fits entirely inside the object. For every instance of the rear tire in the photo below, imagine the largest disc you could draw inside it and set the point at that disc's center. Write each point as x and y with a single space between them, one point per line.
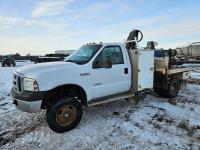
64 115
171 92
161 92
173 89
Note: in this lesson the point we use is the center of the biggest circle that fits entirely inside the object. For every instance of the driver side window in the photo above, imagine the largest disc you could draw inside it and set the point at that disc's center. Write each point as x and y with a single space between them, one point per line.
109 53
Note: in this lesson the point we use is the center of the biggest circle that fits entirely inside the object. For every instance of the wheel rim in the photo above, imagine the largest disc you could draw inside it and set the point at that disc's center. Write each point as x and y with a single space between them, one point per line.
66 115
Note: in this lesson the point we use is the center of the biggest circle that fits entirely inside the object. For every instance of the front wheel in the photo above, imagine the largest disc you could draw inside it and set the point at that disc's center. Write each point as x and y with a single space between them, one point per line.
65 115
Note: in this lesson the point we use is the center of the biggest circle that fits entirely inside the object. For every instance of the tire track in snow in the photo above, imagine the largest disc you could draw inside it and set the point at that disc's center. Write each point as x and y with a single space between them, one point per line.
26 125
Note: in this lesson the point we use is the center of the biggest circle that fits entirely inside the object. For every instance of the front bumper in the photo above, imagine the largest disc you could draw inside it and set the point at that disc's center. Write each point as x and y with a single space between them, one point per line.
30 107
28 101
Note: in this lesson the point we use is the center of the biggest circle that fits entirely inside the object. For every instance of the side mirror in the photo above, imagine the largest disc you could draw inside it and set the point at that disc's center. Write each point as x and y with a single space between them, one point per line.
107 63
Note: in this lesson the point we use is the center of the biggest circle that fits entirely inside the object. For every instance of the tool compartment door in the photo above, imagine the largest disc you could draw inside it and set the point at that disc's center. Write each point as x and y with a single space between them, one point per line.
145 69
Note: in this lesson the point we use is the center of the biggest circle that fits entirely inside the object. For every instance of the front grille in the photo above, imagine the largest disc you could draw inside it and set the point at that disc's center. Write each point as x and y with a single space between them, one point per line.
17 83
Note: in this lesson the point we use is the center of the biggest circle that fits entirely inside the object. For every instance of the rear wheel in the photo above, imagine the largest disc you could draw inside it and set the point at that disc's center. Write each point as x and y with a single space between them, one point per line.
160 92
64 115
172 91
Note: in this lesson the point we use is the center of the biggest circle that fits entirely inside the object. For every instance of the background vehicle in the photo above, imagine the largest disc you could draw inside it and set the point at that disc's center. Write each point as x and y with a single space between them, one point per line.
95 74
189 53
51 58
8 61
47 59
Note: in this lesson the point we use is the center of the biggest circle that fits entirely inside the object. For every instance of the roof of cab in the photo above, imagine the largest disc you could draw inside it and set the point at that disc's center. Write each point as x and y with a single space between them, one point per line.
106 44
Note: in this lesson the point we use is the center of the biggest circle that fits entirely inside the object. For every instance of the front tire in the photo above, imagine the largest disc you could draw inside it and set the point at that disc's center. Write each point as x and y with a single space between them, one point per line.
64 115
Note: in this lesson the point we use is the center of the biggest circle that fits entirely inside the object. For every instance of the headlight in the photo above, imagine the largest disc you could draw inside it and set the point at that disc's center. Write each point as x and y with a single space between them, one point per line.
30 84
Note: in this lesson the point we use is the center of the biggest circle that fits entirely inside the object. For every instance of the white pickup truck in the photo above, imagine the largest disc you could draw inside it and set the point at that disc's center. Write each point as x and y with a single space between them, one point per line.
94 74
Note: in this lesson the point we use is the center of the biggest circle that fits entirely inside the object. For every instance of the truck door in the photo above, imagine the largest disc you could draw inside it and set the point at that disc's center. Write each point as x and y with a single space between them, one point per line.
108 81
146 69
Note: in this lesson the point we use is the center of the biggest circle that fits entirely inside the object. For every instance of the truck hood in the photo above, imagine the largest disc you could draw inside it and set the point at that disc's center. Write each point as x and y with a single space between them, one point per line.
53 74
36 69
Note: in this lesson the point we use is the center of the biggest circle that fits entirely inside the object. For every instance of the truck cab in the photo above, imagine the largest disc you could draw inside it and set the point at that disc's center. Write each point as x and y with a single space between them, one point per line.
94 74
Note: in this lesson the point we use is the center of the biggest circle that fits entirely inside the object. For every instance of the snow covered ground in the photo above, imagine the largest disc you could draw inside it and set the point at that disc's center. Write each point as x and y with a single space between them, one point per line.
155 123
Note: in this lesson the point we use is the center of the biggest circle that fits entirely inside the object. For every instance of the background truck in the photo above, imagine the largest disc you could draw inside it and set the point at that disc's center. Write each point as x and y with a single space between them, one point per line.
8 61
189 54
95 74
47 59
51 58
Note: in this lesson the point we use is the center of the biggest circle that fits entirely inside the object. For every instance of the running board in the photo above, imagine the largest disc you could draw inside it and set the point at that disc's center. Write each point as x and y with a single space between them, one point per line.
110 98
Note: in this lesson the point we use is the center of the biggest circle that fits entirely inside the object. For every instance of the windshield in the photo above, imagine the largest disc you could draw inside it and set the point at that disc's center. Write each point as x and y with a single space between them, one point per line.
84 54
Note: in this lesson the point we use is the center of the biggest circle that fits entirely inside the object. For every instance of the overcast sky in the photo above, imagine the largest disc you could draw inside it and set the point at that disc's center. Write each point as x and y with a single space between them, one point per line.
43 26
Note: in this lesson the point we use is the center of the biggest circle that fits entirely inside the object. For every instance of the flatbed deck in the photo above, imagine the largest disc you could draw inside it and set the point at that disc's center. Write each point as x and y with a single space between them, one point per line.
178 70
173 70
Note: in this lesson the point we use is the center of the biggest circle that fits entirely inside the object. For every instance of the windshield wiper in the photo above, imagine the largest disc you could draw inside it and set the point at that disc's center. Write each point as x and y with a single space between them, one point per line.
71 61
76 62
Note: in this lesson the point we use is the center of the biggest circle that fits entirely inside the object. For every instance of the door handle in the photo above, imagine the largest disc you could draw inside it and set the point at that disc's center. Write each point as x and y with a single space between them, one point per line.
97 84
125 70
84 74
